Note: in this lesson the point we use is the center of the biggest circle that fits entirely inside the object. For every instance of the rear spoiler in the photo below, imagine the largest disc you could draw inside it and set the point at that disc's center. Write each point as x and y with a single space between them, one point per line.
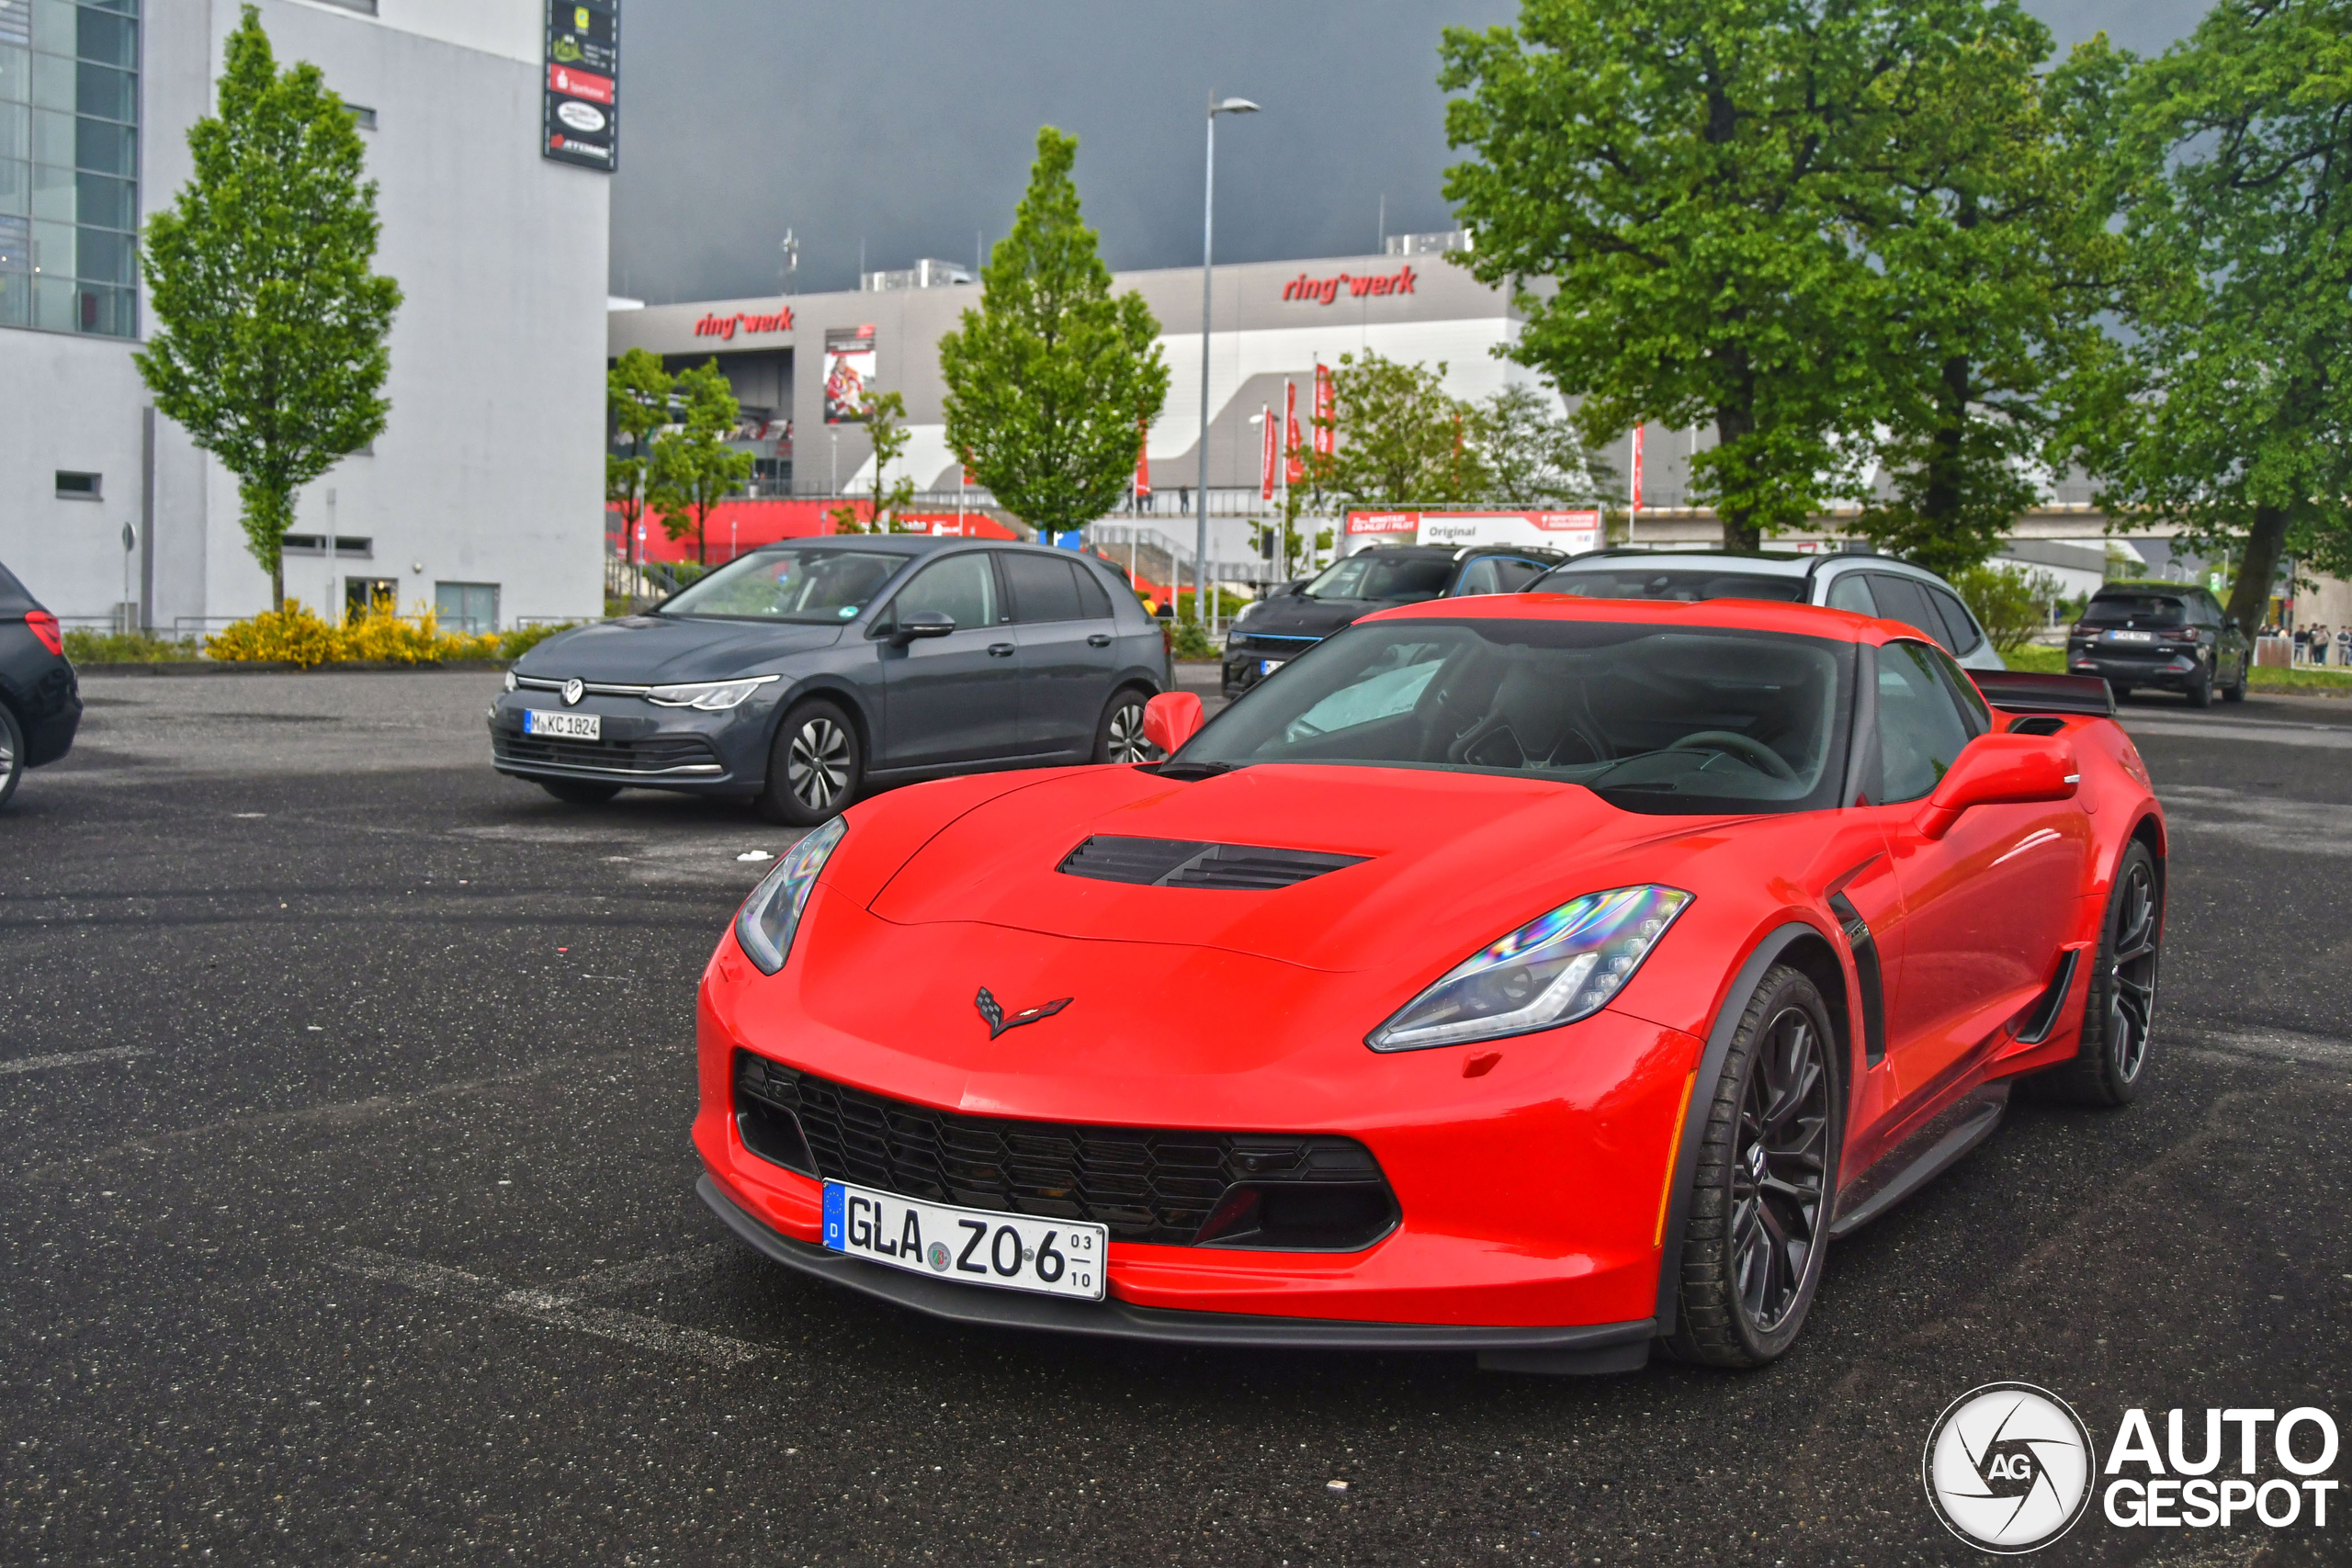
2022 690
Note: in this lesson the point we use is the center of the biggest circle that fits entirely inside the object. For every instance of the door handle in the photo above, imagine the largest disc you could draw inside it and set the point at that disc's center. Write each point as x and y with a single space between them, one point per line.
1100 639
1001 650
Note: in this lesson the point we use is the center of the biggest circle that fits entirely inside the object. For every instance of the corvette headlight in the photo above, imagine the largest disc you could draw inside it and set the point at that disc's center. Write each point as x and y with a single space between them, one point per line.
768 917
1556 969
711 697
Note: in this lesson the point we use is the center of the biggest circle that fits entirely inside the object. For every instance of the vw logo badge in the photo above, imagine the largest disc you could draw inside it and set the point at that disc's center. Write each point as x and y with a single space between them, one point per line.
573 690
2008 1468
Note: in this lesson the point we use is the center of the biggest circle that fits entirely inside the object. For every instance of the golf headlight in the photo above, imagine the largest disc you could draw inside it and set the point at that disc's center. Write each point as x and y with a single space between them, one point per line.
768 917
711 697
1553 970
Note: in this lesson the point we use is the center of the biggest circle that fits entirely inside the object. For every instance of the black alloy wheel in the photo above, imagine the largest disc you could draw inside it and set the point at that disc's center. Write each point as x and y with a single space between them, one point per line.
1119 738
815 768
2118 1017
580 792
1758 1230
12 753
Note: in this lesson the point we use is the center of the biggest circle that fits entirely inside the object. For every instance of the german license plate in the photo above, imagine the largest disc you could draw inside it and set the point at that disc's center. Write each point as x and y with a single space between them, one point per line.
1267 666
977 1246
2130 636
570 726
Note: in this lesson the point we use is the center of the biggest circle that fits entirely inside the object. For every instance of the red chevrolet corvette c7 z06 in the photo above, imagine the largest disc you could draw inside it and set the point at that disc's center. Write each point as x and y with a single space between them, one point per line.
1549 978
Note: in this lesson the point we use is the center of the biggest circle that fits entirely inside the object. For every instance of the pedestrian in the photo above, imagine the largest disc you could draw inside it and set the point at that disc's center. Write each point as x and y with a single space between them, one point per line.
2343 647
2303 645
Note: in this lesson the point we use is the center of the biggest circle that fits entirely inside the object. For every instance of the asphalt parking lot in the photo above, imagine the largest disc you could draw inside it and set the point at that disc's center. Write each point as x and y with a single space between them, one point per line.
350 1218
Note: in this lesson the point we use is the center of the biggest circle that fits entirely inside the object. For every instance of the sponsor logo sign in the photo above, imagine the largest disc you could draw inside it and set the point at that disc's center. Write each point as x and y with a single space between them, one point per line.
1354 286
582 122
849 373
1569 531
726 327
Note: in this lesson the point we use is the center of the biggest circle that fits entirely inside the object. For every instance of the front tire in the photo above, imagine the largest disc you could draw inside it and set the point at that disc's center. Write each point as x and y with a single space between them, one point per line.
1119 738
2235 690
1758 1226
2120 1011
815 767
579 792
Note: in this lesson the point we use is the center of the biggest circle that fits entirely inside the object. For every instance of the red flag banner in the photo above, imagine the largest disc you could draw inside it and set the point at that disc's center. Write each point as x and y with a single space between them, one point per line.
1293 453
1636 466
1323 411
1143 459
1273 452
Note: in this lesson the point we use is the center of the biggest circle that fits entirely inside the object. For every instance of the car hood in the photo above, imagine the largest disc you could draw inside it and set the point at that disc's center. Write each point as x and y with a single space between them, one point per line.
1450 860
1294 615
645 649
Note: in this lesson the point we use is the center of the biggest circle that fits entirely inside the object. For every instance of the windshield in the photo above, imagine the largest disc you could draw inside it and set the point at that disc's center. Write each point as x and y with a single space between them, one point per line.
1373 575
2132 610
807 586
1661 719
1634 580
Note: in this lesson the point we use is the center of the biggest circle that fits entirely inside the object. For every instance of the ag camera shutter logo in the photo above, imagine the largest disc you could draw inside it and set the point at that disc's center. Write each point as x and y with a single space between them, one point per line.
2008 1468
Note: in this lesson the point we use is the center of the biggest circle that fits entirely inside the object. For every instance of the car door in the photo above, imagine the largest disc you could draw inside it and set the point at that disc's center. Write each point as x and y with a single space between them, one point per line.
953 698
1987 907
1067 654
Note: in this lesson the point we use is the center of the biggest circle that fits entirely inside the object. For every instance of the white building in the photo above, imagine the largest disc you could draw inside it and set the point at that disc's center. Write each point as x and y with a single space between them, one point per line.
484 492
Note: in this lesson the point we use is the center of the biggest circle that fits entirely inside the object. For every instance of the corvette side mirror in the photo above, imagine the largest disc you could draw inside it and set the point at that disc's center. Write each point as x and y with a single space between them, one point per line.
1171 718
2001 770
923 623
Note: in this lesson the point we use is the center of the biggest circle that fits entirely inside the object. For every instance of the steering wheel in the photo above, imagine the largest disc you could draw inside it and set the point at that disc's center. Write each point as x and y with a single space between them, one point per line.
1740 746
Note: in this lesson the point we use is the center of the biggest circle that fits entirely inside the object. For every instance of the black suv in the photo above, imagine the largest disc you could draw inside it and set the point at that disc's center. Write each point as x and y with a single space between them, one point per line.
40 704
2167 635
1292 619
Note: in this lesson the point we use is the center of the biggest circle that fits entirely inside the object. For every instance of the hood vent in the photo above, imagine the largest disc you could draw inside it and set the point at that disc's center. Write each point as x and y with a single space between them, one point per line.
1183 863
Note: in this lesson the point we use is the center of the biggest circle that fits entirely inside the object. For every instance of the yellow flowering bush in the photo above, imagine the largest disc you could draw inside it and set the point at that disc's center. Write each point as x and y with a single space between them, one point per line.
298 635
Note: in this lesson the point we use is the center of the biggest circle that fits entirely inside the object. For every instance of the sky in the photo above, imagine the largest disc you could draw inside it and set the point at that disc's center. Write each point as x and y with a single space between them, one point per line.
895 129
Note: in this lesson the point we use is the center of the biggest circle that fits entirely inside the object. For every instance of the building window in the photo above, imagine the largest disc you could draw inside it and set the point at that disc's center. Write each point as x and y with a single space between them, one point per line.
345 546
76 487
468 607
364 115
365 7
69 166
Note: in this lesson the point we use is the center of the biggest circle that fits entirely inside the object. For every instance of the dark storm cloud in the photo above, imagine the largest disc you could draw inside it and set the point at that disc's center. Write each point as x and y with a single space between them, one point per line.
911 127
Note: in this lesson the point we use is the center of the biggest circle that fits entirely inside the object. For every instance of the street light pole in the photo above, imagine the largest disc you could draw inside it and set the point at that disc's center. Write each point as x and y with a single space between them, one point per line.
1208 261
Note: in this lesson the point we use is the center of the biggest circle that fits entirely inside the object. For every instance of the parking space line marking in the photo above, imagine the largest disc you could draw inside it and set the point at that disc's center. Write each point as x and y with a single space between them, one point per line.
562 1309
629 1276
2275 1044
73 1058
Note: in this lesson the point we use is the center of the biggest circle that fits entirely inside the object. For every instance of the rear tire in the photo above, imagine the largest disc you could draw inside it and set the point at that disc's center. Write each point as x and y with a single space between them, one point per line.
12 753
2235 690
2199 690
815 767
2120 1013
579 792
1759 1218
1119 738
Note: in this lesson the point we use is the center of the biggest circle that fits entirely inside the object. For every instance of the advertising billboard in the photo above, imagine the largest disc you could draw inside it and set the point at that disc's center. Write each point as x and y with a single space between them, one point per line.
584 84
849 372
1569 531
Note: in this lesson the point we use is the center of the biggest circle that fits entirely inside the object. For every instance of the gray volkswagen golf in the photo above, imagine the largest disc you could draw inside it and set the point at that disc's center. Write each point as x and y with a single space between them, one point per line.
804 673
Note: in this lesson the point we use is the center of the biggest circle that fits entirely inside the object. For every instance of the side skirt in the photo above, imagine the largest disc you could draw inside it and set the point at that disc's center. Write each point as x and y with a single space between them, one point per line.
1920 1157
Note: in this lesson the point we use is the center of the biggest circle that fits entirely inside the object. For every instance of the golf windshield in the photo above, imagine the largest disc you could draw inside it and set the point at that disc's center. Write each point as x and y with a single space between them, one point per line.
1374 574
1674 720
805 587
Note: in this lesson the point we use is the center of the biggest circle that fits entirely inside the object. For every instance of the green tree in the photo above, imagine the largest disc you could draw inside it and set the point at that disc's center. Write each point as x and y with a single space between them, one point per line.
2229 410
2011 603
637 403
1690 175
1531 452
693 468
1046 379
1398 438
1992 257
884 414
269 349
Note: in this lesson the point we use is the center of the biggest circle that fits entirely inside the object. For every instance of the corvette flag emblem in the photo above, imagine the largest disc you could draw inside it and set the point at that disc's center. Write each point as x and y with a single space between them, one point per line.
999 1021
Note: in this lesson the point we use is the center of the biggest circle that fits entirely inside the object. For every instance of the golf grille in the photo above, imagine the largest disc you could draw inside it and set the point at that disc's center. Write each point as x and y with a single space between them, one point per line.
1303 1192
660 754
1182 863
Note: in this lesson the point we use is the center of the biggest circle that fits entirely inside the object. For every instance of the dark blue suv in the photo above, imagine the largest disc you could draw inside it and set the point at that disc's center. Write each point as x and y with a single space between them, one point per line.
40 703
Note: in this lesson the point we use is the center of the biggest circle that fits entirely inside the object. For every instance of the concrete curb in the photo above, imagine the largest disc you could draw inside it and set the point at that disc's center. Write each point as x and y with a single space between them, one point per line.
258 667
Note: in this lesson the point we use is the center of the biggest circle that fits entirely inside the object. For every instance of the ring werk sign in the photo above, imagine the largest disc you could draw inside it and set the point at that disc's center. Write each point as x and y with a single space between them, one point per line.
726 327
584 84
1355 285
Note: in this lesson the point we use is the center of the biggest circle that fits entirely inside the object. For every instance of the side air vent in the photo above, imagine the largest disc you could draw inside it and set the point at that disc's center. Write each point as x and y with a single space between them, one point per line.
1182 862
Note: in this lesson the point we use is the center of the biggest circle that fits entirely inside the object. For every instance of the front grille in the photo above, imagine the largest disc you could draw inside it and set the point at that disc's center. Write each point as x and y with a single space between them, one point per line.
1298 1192
1184 862
656 754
